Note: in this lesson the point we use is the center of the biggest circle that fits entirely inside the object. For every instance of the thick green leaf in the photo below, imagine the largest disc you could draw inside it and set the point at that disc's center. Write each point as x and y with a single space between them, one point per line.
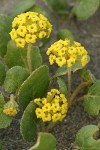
45 141
18 56
2 73
23 6
76 66
5 120
0 145
65 34
34 87
57 6
38 9
36 58
5 28
85 8
14 78
28 126
61 71
86 75
15 56
92 99
2 101
87 138
62 85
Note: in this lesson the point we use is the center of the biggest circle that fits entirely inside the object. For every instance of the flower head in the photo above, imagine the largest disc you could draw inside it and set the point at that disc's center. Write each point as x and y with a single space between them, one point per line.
27 27
63 53
52 108
10 108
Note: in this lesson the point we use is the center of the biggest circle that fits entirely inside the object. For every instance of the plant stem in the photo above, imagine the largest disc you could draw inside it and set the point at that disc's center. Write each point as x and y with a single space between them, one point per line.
42 126
77 90
69 83
77 100
50 126
12 97
29 58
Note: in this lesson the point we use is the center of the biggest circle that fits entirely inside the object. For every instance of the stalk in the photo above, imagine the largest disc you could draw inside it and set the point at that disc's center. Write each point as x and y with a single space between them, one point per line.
29 58
69 83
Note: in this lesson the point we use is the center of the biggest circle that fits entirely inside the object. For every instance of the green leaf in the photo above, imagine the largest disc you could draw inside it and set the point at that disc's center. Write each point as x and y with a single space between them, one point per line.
86 75
57 6
14 78
65 34
85 8
62 85
76 66
2 73
92 99
23 7
28 126
36 58
61 71
45 141
2 101
18 56
87 138
5 120
15 56
38 9
34 87
5 28
1 145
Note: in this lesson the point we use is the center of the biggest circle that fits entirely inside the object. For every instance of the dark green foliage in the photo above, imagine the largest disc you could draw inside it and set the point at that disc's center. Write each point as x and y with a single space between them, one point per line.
14 78
28 126
87 138
35 86
5 28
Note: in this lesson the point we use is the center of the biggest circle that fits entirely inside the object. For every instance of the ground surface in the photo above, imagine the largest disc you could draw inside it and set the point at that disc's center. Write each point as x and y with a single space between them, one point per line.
88 33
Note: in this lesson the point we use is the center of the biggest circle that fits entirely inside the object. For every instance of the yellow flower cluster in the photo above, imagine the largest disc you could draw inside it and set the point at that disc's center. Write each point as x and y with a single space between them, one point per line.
27 27
10 111
52 108
62 52
10 108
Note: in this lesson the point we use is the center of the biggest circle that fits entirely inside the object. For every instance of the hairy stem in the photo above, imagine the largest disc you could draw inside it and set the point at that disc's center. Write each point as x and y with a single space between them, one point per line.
29 58
77 90
69 83
77 100
50 126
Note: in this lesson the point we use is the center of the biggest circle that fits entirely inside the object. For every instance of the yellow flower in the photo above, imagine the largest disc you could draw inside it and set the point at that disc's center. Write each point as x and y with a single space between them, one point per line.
10 108
44 100
52 59
39 112
60 61
30 38
21 31
30 26
62 117
56 117
46 107
20 42
53 108
10 111
13 34
42 24
37 100
67 54
64 108
42 34
46 117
